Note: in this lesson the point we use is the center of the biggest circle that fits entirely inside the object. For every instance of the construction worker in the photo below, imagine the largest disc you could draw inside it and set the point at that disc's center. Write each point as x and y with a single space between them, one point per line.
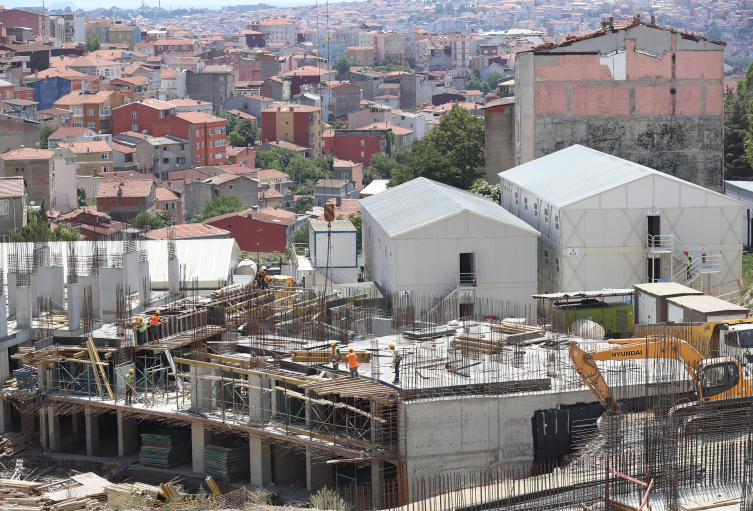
141 329
690 260
335 355
129 386
396 359
155 326
260 277
353 363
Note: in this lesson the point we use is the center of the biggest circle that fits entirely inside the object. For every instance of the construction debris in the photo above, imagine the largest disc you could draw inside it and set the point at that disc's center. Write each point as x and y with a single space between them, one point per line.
13 443
165 448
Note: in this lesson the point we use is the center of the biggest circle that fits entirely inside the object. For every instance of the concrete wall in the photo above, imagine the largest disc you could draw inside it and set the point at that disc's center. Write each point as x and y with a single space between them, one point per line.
499 131
644 94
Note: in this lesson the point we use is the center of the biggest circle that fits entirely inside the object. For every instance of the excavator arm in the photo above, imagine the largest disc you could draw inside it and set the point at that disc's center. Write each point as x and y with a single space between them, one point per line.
585 363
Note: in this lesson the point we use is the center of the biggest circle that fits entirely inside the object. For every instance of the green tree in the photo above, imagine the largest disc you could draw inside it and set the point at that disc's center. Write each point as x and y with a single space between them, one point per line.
714 32
234 139
45 134
452 153
343 65
248 130
474 83
167 218
491 192
92 44
37 229
145 219
222 205
232 120
197 218
737 130
492 79
301 235
355 219
340 125
280 155
81 197
382 165
303 204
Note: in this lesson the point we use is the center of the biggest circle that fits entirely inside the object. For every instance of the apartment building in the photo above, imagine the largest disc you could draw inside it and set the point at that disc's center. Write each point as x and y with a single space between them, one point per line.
361 55
205 132
138 116
92 109
277 30
298 124
125 34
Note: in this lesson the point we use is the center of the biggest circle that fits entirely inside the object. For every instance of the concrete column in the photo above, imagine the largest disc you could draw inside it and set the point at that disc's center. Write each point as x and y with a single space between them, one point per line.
26 302
11 282
77 423
44 432
128 438
309 412
49 282
261 461
131 266
41 376
91 284
377 481
3 316
318 473
92 432
110 279
200 438
173 276
74 307
53 423
144 285
6 424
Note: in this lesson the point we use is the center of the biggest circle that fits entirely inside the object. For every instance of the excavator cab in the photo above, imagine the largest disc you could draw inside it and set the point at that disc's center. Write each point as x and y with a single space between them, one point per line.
718 376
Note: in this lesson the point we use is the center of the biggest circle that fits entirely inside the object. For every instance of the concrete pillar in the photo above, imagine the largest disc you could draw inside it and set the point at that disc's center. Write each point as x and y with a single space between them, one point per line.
144 284
318 473
200 438
74 307
53 424
6 424
3 316
261 461
120 373
44 432
259 400
41 376
110 280
26 304
173 276
91 285
77 423
309 412
11 283
377 483
92 432
49 282
128 438
131 267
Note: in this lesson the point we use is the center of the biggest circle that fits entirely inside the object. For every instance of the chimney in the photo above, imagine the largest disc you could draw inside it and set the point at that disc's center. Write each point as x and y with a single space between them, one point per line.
338 201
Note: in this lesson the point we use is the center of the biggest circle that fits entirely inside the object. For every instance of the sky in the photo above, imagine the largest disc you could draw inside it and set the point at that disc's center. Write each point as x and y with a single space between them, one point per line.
167 4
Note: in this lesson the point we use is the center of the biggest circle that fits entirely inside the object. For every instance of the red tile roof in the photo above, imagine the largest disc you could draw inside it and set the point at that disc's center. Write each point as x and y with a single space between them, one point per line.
28 153
130 188
183 231
11 186
163 194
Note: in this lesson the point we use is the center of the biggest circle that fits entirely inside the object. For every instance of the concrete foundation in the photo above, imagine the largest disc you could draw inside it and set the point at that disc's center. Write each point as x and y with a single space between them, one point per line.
261 461
74 307
200 438
318 473
91 423
91 285
173 276
128 438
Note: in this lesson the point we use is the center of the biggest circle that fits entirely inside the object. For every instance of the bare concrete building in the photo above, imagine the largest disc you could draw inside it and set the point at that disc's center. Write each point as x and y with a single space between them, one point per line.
198 193
159 155
12 205
215 86
499 131
18 132
648 94
37 169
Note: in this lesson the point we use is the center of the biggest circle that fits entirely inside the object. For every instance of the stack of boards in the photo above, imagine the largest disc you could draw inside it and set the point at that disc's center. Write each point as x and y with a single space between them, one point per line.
228 462
165 448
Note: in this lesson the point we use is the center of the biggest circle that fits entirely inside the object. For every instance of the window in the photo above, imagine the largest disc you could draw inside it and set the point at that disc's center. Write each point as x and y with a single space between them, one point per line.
94 189
345 175
165 160
222 88
134 127
232 187
557 264
198 159
525 203
198 145
557 222
219 143
202 132
91 125
165 148
134 115
546 255
202 145
516 198
380 244
181 147
180 160
222 78
78 124
391 261
211 156
28 95
385 252
361 154
361 143
210 144
210 131
4 207
104 156
197 133
536 209
546 215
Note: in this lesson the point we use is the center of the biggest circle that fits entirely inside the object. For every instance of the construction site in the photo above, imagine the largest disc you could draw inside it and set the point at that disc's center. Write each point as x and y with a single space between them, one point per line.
514 405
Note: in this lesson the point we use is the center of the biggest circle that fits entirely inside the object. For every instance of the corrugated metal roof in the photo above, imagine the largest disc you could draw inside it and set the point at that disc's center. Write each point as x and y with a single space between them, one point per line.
578 172
745 185
706 304
337 225
586 294
666 289
208 260
421 202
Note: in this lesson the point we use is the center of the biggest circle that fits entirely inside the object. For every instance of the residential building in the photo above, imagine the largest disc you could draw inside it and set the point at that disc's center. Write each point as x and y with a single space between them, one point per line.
356 37
99 29
348 171
245 156
172 84
206 134
54 117
389 45
198 193
361 55
48 90
138 116
339 99
37 168
95 226
359 145
67 134
19 132
35 21
499 134
92 66
192 64
133 87
39 55
176 45
92 109
123 157
298 124
332 49
12 205
413 122
412 234
215 86
370 114
171 201
619 223
92 157
621 94
22 108
326 189
74 28
122 200
190 105
121 33
306 75
65 164
274 226
160 155
368 82
276 30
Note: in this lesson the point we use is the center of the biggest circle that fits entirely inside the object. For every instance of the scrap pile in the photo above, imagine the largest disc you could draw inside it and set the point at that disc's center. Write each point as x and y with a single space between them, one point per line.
25 378
77 504
140 493
229 462
165 448
13 443
27 496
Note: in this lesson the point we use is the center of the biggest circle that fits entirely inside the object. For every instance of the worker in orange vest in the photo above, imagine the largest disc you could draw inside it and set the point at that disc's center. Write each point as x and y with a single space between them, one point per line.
353 363
155 326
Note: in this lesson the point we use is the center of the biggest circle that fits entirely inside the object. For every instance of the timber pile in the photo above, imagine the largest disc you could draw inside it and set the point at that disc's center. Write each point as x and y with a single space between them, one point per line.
78 504
227 462
115 490
165 448
322 357
13 443
20 496
476 344
512 328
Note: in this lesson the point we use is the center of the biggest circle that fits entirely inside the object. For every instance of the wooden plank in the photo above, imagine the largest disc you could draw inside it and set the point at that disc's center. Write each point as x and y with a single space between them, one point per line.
101 369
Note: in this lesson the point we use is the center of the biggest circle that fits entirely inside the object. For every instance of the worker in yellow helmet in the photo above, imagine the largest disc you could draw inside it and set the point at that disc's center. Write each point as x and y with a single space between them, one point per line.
155 326
335 356
141 330
129 387
396 359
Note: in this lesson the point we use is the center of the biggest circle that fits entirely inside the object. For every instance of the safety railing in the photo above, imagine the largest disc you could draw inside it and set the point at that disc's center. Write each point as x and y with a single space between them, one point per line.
659 242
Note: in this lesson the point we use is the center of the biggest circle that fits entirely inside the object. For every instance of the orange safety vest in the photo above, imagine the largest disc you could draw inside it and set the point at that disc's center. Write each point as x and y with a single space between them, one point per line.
155 320
353 360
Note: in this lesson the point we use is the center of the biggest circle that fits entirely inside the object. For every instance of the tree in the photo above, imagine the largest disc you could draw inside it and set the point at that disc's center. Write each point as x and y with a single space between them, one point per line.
355 219
280 155
45 134
234 139
714 32
491 192
81 197
248 130
382 165
343 65
167 218
452 153
222 205
301 236
340 125
232 120
474 83
145 219
38 229
303 204
93 43
492 80
737 129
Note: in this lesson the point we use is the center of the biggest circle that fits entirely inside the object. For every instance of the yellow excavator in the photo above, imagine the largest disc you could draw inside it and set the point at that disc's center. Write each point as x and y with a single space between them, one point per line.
715 378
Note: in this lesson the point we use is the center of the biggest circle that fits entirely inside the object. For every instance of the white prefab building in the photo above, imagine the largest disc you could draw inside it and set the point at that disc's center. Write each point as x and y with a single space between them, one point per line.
429 238
606 222
334 255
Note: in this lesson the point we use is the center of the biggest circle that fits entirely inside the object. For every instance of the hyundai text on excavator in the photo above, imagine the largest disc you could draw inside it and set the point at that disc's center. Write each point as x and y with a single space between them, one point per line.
715 379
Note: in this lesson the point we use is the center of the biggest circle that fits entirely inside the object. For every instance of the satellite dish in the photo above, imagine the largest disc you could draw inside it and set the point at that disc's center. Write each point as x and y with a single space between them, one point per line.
637 14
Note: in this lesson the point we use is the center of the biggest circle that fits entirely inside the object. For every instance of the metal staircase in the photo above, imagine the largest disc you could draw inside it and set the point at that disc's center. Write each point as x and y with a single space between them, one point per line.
702 262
